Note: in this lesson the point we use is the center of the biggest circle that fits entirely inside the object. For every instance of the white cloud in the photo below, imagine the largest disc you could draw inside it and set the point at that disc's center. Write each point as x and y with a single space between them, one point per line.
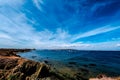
118 45
5 36
38 4
11 2
16 32
22 34
96 32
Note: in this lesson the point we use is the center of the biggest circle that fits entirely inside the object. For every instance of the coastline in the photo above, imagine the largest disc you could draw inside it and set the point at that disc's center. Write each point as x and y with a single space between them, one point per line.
13 67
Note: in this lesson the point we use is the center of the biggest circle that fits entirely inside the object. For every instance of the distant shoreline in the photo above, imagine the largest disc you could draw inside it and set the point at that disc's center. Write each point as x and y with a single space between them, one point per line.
77 50
28 49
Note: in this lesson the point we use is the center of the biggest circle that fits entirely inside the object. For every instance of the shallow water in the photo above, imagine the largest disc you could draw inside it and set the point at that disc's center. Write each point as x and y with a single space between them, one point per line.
97 62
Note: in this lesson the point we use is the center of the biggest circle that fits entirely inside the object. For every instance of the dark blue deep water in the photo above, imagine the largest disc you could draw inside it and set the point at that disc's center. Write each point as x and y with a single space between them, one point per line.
98 62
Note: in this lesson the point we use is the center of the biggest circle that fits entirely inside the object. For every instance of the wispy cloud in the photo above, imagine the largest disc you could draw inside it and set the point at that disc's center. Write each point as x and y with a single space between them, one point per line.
118 45
4 36
38 4
110 45
17 32
96 32
11 3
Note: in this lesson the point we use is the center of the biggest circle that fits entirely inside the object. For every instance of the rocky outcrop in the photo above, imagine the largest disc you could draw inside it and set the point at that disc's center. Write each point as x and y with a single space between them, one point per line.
13 67
104 77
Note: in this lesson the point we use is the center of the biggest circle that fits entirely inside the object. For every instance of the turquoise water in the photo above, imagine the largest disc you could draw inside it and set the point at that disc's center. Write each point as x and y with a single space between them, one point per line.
105 62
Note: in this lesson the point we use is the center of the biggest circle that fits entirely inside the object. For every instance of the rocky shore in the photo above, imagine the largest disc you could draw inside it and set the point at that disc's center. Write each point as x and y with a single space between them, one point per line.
104 77
14 67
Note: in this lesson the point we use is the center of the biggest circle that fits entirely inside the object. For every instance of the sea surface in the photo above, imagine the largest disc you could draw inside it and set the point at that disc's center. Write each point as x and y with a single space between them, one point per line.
75 61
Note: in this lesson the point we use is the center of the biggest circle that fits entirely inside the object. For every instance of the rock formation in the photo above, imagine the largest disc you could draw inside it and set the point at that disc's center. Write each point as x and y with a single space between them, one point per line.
13 67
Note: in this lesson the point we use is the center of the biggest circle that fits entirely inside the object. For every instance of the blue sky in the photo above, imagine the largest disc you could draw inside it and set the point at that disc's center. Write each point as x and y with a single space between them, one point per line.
56 24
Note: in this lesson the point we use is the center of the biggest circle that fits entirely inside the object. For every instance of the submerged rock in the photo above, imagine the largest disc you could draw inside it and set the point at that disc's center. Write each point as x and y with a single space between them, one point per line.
85 65
104 77
46 61
84 70
34 57
73 63
92 64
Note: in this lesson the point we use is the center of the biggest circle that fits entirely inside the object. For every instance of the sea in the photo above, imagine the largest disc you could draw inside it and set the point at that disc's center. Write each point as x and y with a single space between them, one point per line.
71 61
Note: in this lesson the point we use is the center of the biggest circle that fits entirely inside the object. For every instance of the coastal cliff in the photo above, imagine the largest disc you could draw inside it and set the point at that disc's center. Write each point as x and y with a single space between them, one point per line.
13 67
